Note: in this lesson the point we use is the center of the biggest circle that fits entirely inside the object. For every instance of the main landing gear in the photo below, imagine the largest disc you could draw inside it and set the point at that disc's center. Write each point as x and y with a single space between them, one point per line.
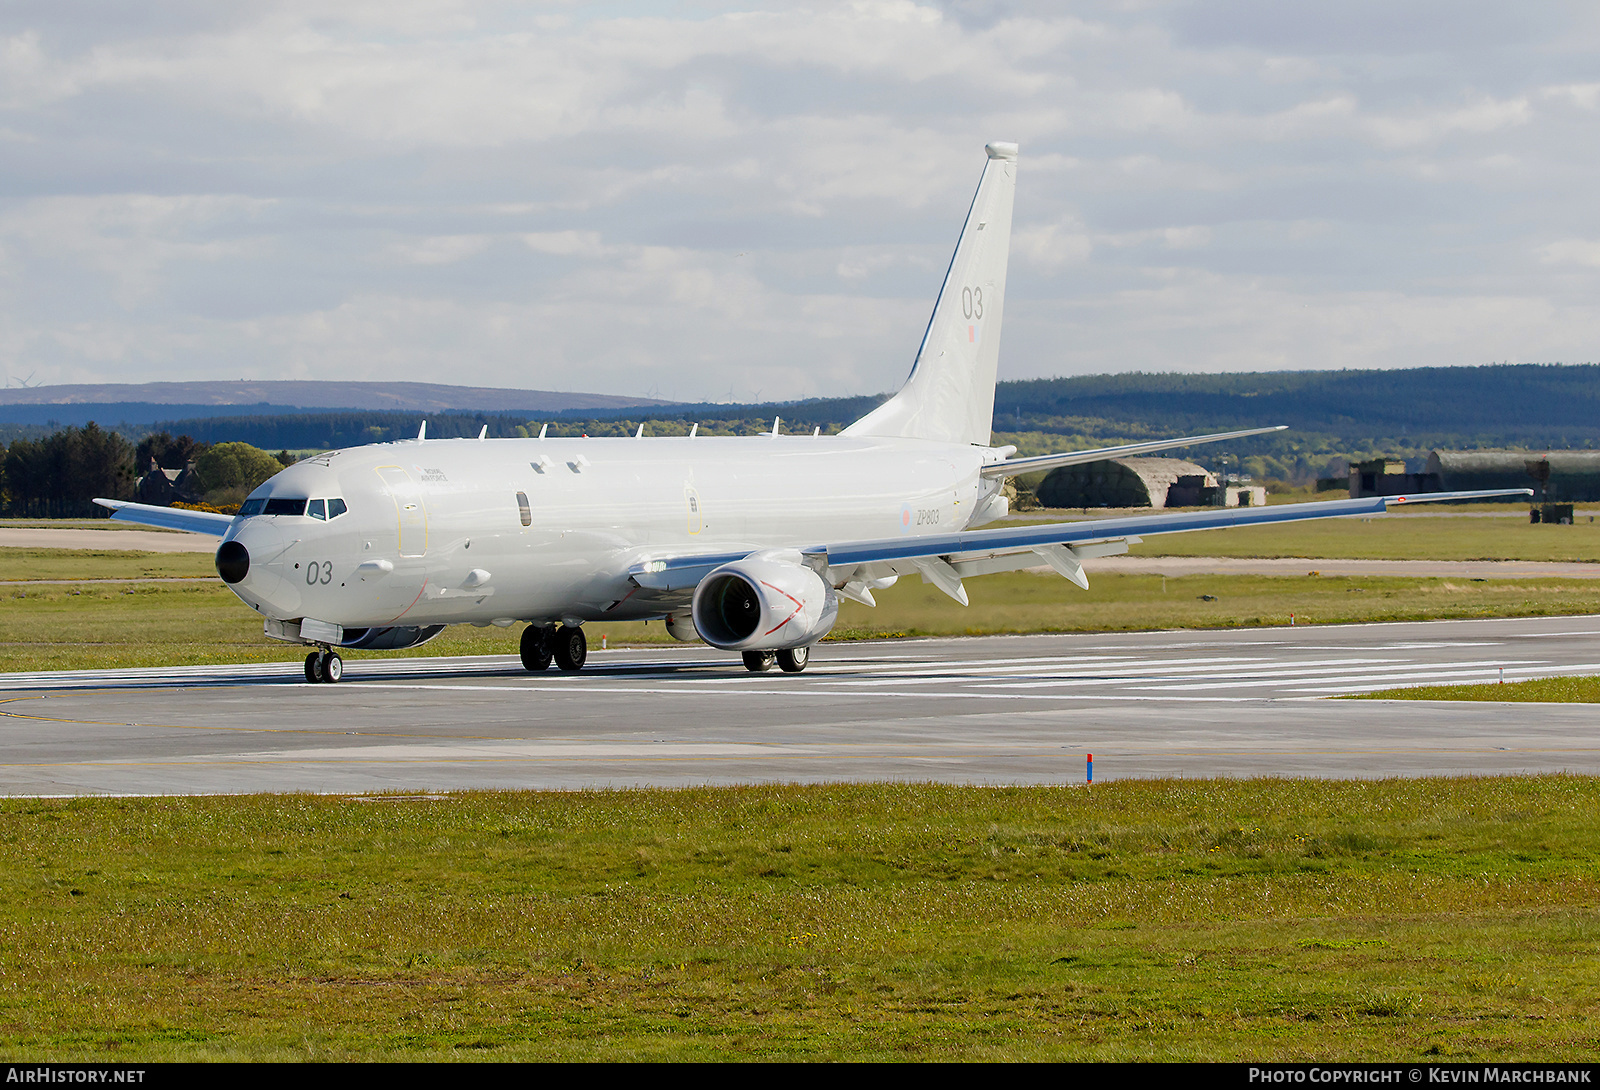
791 660
565 645
324 666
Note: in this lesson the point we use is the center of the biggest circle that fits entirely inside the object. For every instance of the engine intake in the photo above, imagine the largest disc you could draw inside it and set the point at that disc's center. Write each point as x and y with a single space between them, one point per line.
763 604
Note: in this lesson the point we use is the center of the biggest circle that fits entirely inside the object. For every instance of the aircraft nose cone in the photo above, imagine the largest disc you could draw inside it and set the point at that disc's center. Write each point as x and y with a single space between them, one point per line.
233 561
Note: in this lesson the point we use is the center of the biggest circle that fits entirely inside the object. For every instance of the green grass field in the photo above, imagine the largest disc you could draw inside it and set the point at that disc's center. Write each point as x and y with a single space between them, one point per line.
90 626
1246 920
154 624
1448 919
1545 690
20 565
1391 537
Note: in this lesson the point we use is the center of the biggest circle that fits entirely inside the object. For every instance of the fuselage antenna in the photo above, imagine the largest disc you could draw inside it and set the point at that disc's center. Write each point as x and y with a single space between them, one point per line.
422 432
542 429
483 433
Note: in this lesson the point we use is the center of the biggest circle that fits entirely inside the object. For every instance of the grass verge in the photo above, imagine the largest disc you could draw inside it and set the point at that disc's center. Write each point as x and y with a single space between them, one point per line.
1391 537
1238 920
1547 690
22 564
103 626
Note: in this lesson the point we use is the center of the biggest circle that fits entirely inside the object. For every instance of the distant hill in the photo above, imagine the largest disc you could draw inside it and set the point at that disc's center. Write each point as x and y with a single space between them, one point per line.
1331 414
1529 404
142 403
1523 403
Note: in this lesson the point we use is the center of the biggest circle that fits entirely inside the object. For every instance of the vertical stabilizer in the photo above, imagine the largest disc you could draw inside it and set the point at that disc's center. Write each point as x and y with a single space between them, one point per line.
950 394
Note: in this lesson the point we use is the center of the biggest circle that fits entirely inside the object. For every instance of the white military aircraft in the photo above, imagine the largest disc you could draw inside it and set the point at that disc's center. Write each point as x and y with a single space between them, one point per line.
746 543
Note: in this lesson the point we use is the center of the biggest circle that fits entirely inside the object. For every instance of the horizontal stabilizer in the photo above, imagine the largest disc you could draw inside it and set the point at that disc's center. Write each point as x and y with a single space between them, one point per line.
168 518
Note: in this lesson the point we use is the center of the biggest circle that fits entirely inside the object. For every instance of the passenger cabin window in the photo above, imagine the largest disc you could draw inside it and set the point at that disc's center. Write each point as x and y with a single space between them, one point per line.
317 510
336 508
277 506
523 509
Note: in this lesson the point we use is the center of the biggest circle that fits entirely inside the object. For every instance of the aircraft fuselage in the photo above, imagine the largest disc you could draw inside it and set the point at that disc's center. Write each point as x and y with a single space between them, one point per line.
544 530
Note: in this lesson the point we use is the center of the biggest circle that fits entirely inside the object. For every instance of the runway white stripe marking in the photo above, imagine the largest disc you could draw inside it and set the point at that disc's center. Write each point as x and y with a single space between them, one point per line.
689 689
833 666
1178 678
1442 674
1111 670
1487 675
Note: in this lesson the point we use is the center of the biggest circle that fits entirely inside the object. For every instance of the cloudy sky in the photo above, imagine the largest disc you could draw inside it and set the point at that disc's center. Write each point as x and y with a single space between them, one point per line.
750 201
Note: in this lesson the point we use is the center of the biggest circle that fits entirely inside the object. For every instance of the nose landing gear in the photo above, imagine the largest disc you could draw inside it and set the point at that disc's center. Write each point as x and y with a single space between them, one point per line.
324 666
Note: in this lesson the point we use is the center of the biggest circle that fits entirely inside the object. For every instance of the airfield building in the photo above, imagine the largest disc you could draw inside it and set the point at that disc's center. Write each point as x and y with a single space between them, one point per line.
1388 477
1142 482
1573 475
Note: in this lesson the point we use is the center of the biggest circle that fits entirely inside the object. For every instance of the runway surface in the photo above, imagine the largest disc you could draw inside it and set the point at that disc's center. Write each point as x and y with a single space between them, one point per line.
1021 709
114 536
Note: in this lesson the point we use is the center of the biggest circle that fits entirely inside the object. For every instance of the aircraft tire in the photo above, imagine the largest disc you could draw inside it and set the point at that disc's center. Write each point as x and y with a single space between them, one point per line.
572 649
793 660
758 662
312 664
332 667
536 651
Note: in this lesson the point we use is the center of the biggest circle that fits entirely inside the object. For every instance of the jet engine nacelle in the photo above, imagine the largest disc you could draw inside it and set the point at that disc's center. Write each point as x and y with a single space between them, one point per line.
764 603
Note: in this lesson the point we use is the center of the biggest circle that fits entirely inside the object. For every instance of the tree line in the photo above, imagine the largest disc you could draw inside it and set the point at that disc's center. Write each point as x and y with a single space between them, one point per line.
61 474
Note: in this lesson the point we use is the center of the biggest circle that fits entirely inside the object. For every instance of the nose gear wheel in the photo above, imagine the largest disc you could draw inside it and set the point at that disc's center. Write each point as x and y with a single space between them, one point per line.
324 667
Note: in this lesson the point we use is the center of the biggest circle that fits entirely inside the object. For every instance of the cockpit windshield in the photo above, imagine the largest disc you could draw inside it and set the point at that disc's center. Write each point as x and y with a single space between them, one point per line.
286 505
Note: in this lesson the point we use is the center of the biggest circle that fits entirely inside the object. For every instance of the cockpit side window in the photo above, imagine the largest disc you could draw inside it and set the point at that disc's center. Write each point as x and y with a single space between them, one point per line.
252 507
336 508
316 509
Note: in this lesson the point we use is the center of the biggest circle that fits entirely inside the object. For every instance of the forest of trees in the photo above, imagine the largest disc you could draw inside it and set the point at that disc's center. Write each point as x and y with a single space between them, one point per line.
1331 414
61 474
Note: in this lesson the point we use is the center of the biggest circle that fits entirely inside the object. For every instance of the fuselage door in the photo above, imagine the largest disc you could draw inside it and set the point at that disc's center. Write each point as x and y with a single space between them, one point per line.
409 509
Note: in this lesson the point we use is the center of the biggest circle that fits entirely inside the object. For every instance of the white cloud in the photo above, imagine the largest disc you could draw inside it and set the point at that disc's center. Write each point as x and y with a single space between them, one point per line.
1053 244
763 197
131 238
441 249
1571 251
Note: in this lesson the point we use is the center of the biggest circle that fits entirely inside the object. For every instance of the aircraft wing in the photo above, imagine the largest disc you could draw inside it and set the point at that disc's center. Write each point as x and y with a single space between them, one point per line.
1014 466
168 518
945 559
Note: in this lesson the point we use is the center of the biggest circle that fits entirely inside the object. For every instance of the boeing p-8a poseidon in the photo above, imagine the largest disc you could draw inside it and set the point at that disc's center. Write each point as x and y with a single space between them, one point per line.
747 543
